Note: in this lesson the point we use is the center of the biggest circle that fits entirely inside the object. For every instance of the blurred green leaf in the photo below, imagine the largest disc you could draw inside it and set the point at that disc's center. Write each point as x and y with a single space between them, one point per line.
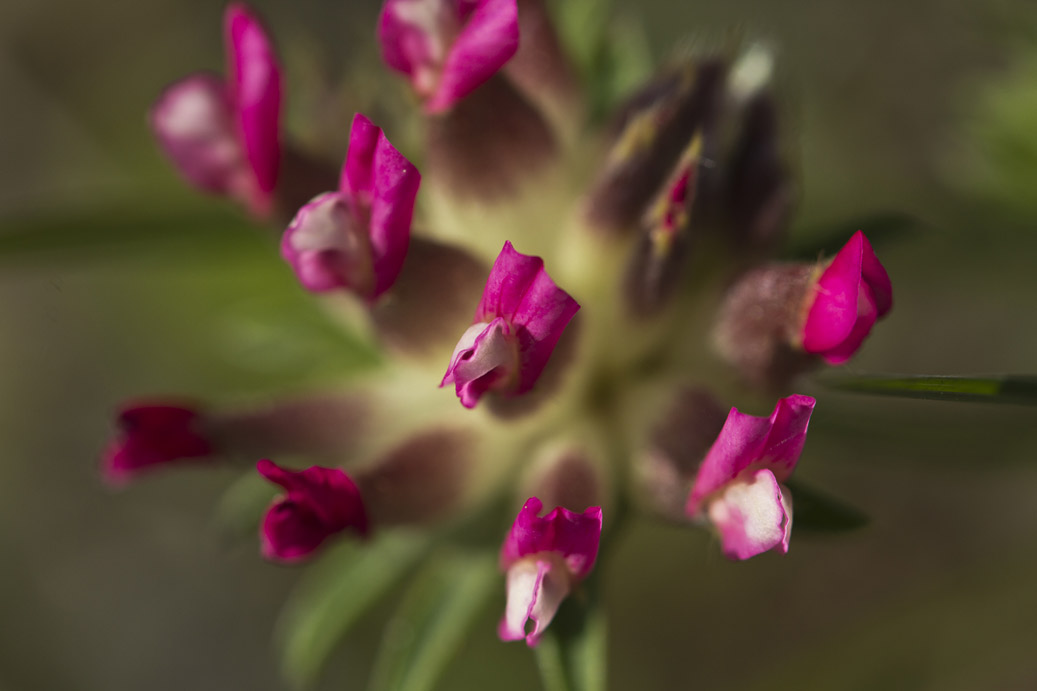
122 226
818 512
571 655
344 584
881 228
1017 389
433 620
239 509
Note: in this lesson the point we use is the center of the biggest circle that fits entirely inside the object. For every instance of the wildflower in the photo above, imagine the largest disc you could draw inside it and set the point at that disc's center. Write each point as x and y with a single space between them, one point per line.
518 323
738 486
317 504
357 238
544 559
154 435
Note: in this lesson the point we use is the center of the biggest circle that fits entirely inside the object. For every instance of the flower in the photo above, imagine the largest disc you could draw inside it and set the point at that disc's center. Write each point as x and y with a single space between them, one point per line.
357 238
738 486
447 48
519 320
318 503
849 296
153 435
544 559
224 136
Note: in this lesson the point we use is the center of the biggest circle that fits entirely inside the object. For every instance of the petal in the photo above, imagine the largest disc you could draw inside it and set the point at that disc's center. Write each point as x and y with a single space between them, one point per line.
750 442
255 82
411 34
485 358
573 536
193 123
488 40
876 278
519 290
326 247
318 503
153 435
536 588
752 516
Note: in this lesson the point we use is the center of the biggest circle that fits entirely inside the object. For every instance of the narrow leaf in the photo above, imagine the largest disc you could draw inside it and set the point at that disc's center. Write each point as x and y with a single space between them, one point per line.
344 584
571 655
817 512
433 620
1017 389
881 228
241 506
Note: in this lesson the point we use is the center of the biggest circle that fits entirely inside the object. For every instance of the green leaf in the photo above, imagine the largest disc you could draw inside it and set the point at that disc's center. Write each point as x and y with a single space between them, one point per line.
345 583
881 228
1017 389
433 620
817 512
571 655
239 509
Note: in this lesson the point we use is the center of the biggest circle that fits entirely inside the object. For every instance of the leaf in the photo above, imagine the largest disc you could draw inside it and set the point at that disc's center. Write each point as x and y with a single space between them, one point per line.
433 620
345 583
571 655
1016 389
880 228
239 509
817 512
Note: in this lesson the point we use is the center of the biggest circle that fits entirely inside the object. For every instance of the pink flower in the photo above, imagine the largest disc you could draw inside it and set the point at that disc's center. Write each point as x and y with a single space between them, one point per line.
224 136
738 486
544 558
447 47
357 238
851 294
153 435
318 503
517 326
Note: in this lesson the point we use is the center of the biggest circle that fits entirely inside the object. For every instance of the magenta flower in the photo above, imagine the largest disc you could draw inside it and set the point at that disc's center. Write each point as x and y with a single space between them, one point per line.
519 320
544 558
738 486
224 136
357 238
852 293
153 435
318 503
447 47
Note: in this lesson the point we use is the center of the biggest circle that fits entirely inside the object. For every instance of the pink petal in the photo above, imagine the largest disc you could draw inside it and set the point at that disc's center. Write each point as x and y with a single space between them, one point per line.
536 588
193 122
326 248
318 503
485 358
753 516
153 435
488 40
747 442
411 35
519 290
851 294
572 536
255 83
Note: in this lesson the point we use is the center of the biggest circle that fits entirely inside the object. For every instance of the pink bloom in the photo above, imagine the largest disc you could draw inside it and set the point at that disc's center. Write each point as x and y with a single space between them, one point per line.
544 558
224 136
738 486
850 296
517 325
447 47
153 435
357 238
317 503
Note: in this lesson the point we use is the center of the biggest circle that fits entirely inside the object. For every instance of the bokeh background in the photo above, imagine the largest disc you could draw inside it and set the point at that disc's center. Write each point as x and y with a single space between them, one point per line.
115 280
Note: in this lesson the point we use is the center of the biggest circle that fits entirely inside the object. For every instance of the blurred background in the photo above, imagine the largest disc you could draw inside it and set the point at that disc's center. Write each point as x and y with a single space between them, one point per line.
116 281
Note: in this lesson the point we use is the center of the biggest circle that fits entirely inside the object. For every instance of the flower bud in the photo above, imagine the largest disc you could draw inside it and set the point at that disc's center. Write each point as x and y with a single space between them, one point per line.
152 435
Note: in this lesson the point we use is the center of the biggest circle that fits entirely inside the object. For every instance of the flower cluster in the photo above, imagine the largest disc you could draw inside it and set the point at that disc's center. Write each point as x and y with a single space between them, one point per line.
569 325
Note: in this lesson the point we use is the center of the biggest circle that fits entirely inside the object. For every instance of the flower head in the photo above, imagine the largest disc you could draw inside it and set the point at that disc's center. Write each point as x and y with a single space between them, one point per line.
357 238
224 136
448 48
153 435
519 320
317 504
544 558
738 486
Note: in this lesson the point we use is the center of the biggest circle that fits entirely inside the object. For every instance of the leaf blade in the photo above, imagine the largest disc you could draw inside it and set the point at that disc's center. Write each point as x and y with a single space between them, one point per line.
1002 389
817 512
